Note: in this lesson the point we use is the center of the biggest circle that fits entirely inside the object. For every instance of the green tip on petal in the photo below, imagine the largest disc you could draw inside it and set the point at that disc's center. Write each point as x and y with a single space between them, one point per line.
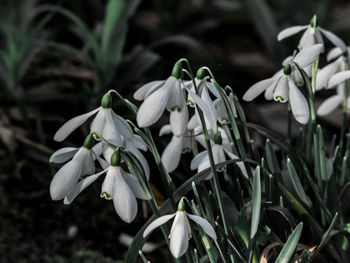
177 70
200 74
181 205
313 21
218 138
106 101
105 195
115 158
89 141
191 103
279 98
287 69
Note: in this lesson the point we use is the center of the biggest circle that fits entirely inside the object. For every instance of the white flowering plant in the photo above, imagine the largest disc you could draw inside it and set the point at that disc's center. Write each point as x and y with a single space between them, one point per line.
279 202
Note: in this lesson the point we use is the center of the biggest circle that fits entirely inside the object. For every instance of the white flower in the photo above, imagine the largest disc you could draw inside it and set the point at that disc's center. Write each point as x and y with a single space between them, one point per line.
121 187
172 153
281 86
68 175
324 74
200 84
333 102
207 106
221 110
311 35
158 95
220 147
103 113
180 231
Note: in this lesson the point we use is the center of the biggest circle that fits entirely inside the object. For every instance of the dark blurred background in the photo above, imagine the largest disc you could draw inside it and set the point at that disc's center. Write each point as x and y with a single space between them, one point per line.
51 71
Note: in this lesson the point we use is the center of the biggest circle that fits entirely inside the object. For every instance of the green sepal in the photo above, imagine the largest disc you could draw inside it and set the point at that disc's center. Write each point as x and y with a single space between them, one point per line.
106 101
287 69
313 21
115 158
181 205
218 138
177 70
89 141
200 74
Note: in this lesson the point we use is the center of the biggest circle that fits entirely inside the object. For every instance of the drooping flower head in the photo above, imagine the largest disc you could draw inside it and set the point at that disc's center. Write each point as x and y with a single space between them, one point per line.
180 231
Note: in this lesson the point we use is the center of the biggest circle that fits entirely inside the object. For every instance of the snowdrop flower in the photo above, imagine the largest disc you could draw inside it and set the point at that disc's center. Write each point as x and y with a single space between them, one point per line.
220 147
121 187
207 106
221 110
68 175
312 35
103 113
172 153
158 95
180 231
333 102
281 87
324 74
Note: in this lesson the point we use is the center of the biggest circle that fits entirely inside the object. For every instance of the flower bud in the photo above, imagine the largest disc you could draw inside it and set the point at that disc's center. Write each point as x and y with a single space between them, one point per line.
177 70
287 69
89 141
181 205
115 158
106 101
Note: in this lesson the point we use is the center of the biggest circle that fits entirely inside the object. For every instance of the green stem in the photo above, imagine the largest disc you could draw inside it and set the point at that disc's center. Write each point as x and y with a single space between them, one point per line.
345 109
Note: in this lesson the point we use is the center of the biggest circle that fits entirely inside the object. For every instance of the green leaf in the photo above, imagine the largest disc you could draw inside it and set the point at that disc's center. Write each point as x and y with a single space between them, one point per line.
325 238
271 158
296 182
256 203
290 246
114 10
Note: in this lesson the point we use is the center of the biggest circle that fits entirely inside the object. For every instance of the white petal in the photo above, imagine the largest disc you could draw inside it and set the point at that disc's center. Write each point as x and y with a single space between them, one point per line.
71 125
98 123
139 142
179 237
208 111
166 129
270 90
176 98
308 38
287 60
141 158
308 55
336 41
65 179
156 223
140 94
258 88
124 199
338 78
153 106
218 154
212 89
197 160
62 155
324 74
110 131
206 98
193 123
205 225
239 164
178 121
88 164
103 163
329 105
122 126
79 187
334 53
298 103
290 31
135 186
172 154
108 183
97 149
281 91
